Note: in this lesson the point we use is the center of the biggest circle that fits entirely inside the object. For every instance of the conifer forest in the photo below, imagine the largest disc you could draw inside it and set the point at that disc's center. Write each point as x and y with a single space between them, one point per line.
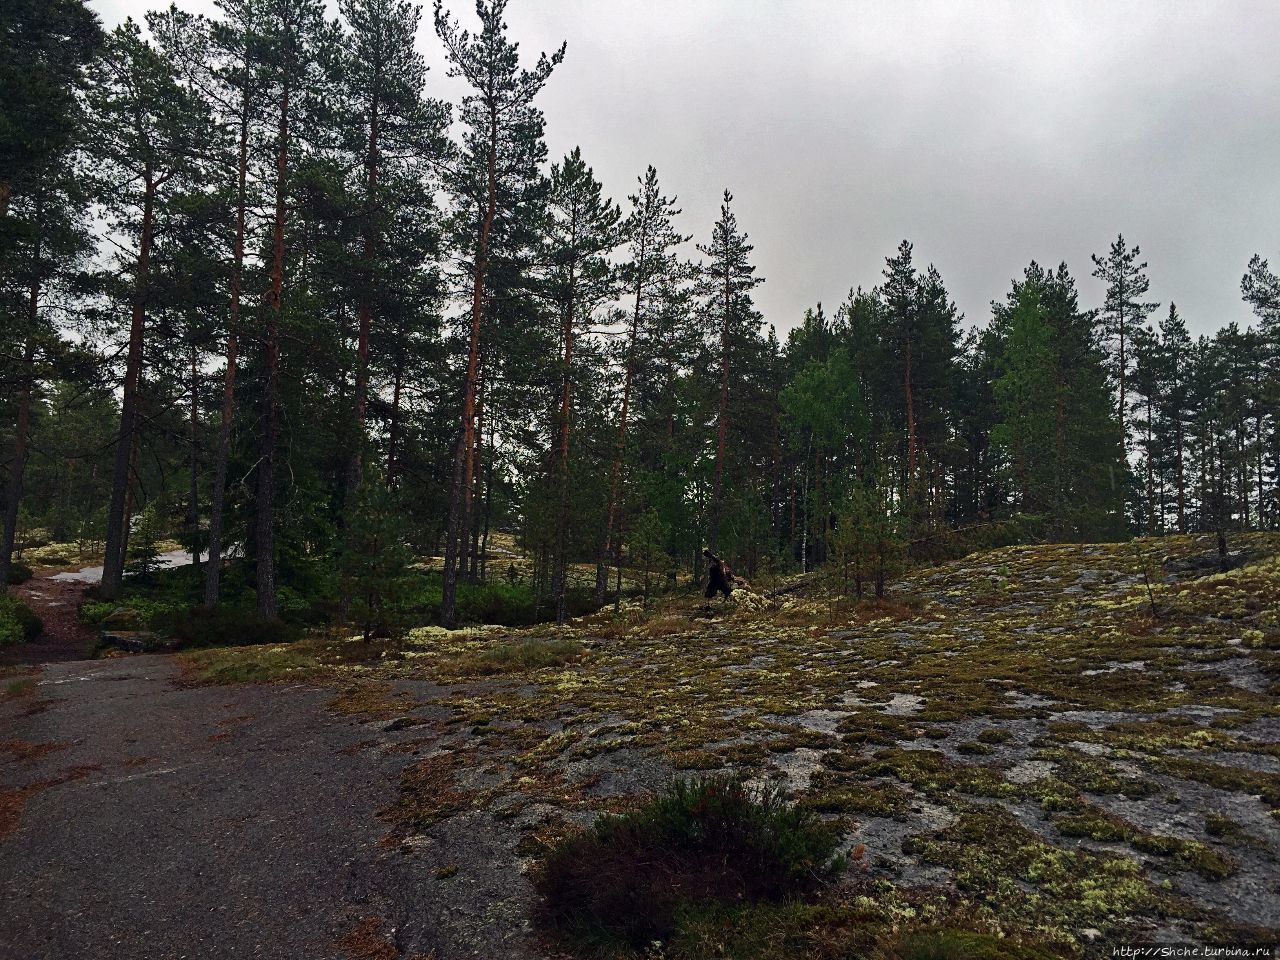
311 376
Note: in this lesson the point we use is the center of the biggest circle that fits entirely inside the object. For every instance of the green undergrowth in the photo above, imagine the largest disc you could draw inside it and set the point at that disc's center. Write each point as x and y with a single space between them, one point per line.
256 664
170 602
18 623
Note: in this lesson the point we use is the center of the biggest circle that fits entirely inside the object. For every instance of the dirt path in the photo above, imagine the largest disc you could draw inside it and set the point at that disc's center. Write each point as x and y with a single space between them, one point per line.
144 819
64 638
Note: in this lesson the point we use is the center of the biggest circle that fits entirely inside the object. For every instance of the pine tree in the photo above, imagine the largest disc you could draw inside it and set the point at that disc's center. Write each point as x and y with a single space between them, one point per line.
45 46
1261 290
727 281
1123 312
501 143
292 33
582 230
146 140
653 264
38 273
1146 383
901 296
225 63
395 132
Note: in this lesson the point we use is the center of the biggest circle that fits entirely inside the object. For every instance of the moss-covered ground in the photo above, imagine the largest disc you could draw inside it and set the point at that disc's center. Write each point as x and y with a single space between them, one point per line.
1056 748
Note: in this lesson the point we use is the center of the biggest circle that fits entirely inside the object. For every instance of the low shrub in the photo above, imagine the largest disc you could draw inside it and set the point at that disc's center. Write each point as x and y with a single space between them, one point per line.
18 623
948 544
18 573
263 664
522 655
628 879
222 626
144 610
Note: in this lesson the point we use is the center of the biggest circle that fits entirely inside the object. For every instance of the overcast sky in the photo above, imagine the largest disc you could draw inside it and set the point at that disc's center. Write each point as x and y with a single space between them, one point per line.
988 133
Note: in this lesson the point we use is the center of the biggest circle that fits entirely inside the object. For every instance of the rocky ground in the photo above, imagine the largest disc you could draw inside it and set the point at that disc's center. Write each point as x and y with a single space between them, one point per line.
1073 746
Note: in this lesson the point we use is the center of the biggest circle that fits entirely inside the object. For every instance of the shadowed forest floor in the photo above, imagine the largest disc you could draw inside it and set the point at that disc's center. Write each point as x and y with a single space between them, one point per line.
1015 742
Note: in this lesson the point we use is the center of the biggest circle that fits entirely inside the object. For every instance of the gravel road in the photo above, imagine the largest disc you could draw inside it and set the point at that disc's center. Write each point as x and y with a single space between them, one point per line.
145 820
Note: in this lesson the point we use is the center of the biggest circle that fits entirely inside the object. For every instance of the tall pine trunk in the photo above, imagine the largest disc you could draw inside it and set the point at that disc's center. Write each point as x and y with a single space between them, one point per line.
218 496
1182 488
559 574
462 455
365 312
393 419
477 475
265 519
117 525
911 430
193 492
611 544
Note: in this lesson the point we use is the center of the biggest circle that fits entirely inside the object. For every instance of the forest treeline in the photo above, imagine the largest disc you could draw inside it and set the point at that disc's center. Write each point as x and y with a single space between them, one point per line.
261 291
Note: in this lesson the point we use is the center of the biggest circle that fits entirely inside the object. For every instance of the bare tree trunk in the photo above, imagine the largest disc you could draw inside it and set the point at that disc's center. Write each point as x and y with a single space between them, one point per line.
266 539
393 423
365 312
193 494
477 473
559 574
615 480
911 431
217 499
449 589
117 531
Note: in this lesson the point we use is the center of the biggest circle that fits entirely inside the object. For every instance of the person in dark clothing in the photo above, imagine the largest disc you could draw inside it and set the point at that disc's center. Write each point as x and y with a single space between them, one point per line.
721 577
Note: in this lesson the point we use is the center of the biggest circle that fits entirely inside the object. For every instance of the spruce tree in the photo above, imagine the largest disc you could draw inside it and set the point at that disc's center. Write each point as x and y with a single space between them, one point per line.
1026 378
1175 410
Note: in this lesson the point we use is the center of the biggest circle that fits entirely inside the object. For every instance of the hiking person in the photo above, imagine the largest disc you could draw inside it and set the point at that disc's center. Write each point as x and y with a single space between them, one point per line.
721 577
